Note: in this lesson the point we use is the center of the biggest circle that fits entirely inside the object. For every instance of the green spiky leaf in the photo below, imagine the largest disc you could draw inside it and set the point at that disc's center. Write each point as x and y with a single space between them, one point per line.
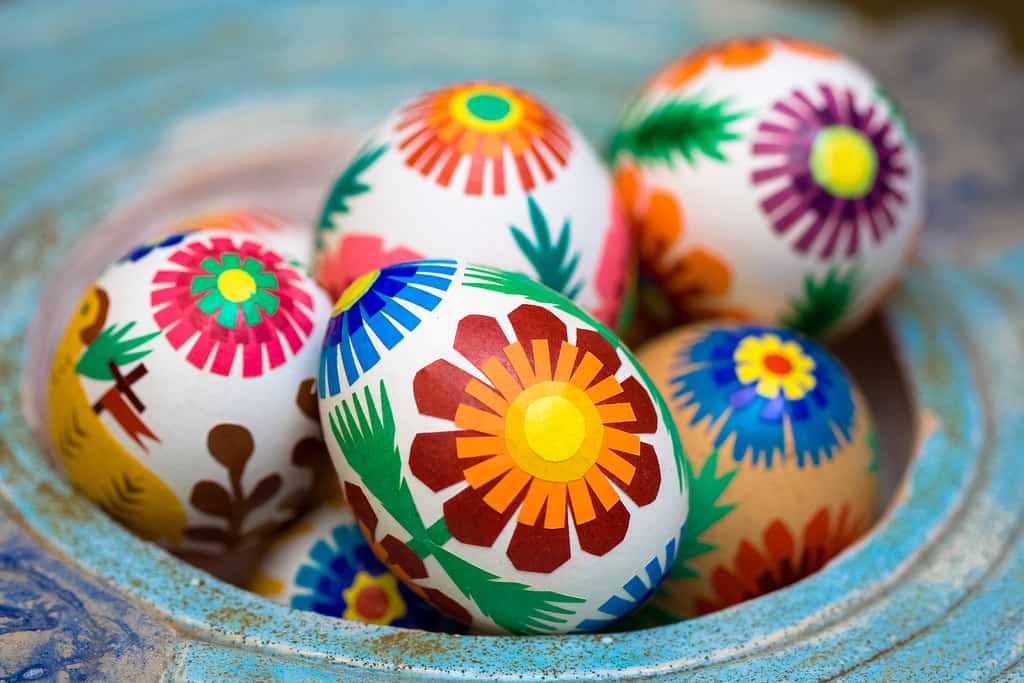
689 127
822 303
554 264
705 511
875 452
348 185
112 344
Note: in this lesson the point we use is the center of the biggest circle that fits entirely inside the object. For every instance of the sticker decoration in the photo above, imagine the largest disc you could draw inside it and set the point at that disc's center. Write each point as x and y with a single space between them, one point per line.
706 489
831 171
488 126
553 263
375 307
350 184
354 255
823 301
224 296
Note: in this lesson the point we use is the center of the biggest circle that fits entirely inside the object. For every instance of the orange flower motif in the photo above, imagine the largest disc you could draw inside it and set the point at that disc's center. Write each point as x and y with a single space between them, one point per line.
732 54
658 223
781 563
552 431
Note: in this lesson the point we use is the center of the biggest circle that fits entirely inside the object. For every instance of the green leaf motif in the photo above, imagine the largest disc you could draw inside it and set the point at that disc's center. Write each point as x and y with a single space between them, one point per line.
823 302
348 185
554 265
705 511
112 345
690 127
896 111
875 451
366 436
517 284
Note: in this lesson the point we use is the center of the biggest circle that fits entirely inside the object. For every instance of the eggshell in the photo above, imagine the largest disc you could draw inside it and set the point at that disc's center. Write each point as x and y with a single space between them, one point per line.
782 457
487 173
181 395
501 445
323 564
770 179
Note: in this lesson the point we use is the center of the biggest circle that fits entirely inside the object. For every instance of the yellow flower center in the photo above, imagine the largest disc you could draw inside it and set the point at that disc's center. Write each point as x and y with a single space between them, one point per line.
355 291
374 599
486 108
844 162
553 431
554 428
236 285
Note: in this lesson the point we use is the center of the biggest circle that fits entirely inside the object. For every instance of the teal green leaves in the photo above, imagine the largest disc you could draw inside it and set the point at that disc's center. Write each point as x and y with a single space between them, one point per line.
365 433
822 303
692 127
875 452
554 264
348 185
705 511
113 345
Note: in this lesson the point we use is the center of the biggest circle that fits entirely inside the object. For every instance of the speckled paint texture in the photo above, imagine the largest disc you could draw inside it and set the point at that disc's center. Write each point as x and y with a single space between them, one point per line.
102 107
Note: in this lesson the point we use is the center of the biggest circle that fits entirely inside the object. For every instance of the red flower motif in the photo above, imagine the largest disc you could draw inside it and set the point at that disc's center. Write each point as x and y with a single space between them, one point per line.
399 558
551 430
781 563
355 255
614 265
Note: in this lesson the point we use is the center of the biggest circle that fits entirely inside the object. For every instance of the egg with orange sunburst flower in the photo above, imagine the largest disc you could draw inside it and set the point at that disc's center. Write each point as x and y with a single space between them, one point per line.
488 426
486 172
181 396
771 179
783 460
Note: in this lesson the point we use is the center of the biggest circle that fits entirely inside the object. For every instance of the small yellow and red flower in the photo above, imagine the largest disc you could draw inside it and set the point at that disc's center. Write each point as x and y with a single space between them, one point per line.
551 431
774 366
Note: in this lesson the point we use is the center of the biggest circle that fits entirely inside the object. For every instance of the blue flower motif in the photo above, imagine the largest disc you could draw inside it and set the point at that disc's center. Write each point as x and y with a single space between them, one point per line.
637 591
370 309
335 569
143 250
759 379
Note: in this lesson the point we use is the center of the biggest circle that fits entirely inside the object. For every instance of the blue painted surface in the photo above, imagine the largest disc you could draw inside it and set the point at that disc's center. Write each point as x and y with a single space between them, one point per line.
934 594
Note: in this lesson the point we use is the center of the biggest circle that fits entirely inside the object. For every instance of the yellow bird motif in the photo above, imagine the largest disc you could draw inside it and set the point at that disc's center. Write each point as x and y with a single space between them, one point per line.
95 461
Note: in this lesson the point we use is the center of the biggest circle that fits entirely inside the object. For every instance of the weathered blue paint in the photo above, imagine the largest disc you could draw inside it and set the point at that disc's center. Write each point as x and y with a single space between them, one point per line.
132 95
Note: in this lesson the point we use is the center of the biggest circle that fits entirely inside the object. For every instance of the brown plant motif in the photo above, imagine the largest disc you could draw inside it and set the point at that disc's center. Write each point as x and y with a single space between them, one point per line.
310 453
231 445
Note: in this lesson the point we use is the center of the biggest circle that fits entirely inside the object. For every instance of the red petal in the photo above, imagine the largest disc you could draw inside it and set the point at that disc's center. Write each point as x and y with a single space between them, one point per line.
361 506
594 342
536 549
434 460
478 338
605 532
439 388
533 322
643 489
729 588
472 521
401 555
448 606
643 407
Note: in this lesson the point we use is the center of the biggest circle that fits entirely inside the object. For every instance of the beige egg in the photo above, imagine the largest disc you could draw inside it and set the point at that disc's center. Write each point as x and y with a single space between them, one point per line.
782 460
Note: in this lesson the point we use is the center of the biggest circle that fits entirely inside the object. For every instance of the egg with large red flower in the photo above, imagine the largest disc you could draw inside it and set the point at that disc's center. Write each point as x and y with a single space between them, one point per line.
782 460
500 446
485 172
182 394
771 179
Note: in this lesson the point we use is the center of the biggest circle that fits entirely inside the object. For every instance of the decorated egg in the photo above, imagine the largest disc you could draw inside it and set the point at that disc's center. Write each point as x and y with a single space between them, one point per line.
782 460
770 179
487 173
323 564
501 446
182 396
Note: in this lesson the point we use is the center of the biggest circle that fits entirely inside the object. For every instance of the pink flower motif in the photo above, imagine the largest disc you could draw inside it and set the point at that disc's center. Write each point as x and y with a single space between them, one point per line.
613 267
356 255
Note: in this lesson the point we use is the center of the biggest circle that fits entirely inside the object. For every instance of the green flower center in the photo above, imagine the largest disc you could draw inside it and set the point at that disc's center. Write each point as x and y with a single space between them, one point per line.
488 107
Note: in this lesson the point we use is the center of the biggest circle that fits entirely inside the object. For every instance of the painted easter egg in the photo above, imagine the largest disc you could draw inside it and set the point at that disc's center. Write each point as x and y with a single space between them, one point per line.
502 446
487 173
782 460
770 179
182 393
323 564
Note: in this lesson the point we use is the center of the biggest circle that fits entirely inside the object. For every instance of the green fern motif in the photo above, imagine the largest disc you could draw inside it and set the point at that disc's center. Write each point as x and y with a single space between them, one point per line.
705 511
347 186
875 452
366 437
112 346
822 303
690 127
495 280
554 265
